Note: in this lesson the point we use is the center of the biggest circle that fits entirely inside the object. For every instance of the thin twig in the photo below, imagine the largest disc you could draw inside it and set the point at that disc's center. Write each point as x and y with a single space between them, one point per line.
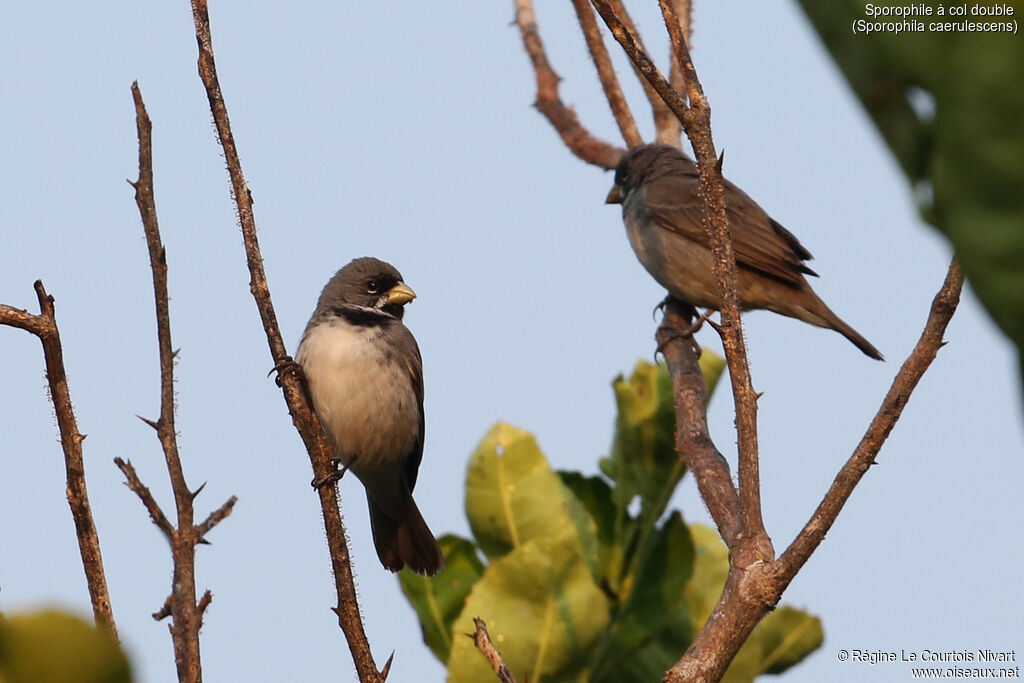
670 132
185 616
616 20
482 640
693 442
164 611
606 74
943 307
156 514
577 138
44 326
215 518
302 415
666 125
204 602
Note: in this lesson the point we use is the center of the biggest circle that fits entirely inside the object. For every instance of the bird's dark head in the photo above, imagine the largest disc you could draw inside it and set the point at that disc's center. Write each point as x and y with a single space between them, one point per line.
644 164
370 283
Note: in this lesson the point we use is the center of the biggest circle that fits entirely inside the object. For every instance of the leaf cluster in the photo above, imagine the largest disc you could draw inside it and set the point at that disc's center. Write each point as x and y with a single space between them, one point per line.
589 577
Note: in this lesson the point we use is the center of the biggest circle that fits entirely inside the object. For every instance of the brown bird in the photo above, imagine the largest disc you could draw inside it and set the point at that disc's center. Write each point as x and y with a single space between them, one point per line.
658 186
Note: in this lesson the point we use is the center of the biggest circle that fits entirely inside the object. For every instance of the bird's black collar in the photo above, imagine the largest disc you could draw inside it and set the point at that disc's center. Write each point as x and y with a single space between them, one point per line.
362 316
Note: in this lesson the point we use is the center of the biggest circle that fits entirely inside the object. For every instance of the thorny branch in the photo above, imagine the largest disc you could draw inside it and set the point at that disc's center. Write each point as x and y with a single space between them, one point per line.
606 73
756 580
943 306
302 414
44 326
186 615
698 130
696 118
482 640
693 442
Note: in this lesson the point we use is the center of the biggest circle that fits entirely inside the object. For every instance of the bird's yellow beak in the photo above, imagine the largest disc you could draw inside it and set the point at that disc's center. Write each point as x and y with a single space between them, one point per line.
614 195
400 294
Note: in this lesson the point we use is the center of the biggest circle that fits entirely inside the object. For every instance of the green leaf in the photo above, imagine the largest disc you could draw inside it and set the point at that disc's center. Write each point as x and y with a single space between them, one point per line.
542 610
710 567
595 495
512 494
965 158
438 600
786 636
653 628
711 366
55 647
644 461
594 512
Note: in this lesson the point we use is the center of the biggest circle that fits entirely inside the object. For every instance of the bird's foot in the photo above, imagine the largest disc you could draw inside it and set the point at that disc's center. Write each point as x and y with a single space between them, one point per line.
287 365
290 366
338 471
688 310
670 334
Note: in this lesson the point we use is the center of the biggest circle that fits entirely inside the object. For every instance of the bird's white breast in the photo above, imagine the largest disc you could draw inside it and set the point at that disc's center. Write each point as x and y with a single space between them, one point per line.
364 399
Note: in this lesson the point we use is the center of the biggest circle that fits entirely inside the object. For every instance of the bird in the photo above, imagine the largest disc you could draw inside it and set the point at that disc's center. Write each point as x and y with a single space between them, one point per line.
364 374
659 189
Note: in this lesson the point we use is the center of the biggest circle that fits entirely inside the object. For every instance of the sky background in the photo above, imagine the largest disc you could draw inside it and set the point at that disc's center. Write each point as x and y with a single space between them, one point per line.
409 135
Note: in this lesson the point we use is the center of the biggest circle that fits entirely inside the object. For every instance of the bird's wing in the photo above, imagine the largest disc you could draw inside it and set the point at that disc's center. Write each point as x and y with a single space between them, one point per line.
408 355
759 242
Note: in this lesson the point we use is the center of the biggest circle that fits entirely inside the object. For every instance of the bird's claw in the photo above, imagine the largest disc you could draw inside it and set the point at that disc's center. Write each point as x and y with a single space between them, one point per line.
287 364
688 309
338 471
674 333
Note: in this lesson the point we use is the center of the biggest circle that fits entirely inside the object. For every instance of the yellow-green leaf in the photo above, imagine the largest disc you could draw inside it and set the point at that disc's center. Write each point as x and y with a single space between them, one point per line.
542 610
56 647
438 600
512 494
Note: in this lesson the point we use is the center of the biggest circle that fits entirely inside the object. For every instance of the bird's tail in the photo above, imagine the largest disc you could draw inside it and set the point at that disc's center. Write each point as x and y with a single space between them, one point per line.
821 315
407 542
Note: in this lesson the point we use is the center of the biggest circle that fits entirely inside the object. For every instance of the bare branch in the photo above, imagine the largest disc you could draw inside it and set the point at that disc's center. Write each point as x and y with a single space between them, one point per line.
670 132
666 125
606 74
303 418
204 602
698 129
164 611
185 612
696 119
756 580
577 138
927 347
146 496
693 442
44 326
751 591
615 18
482 640
215 518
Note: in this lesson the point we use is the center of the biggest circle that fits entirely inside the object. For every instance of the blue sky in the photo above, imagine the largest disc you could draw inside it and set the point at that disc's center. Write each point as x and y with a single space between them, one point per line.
410 136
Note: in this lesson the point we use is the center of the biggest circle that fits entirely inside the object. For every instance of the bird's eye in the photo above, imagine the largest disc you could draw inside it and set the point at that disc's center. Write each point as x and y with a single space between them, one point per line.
372 286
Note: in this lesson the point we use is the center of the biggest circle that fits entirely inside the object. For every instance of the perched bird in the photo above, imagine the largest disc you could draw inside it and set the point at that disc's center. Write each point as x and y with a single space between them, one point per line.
658 186
365 377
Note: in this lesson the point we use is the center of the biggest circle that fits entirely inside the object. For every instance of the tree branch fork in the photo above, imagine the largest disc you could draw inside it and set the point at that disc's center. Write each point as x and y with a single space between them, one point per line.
757 577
